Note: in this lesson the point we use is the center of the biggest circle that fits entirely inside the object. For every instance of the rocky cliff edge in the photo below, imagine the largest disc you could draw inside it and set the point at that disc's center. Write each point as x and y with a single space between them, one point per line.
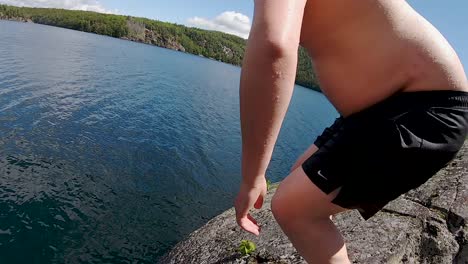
426 225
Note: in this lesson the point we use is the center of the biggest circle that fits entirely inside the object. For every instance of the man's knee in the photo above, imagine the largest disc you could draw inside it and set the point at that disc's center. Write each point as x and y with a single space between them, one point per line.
284 207
299 199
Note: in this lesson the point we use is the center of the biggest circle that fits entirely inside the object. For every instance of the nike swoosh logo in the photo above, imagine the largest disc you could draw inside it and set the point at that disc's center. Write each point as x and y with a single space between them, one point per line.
321 175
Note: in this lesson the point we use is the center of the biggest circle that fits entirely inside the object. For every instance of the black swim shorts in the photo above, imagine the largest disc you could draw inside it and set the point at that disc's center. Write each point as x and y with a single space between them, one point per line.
378 154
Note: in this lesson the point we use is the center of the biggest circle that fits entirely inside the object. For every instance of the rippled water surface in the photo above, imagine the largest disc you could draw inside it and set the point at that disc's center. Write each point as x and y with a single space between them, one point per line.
113 151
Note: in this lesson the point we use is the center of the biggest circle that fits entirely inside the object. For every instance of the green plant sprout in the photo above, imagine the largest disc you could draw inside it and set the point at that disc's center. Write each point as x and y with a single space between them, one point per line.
246 247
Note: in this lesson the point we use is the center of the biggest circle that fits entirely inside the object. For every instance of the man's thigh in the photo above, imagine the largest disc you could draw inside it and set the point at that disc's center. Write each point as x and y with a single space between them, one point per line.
299 197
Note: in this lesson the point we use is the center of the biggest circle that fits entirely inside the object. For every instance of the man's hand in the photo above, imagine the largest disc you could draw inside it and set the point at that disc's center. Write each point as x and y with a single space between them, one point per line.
250 195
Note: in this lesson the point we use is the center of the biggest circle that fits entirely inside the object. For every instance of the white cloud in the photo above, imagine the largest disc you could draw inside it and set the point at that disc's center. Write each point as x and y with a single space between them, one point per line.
85 5
229 22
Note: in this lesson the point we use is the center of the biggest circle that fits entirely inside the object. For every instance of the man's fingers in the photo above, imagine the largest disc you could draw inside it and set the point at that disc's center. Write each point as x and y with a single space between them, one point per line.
252 219
249 226
247 222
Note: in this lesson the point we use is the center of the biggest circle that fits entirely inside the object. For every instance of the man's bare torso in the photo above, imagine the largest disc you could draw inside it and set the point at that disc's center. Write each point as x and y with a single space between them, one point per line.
364 51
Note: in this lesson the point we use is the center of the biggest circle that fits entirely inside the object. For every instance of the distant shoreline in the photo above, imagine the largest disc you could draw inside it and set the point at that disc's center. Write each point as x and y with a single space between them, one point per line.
21 20
213 45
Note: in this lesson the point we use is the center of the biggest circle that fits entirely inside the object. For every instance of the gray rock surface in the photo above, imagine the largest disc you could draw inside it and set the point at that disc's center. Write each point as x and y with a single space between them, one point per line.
426 225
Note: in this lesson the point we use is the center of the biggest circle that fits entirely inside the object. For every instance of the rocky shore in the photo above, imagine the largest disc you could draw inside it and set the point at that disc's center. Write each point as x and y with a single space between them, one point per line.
426 225
16 19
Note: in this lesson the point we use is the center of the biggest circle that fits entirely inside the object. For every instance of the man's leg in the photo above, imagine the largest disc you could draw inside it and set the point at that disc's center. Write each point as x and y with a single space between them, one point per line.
303 211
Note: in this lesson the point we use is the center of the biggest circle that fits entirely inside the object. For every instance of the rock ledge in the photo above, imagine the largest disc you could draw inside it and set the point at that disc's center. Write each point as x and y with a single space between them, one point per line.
426 225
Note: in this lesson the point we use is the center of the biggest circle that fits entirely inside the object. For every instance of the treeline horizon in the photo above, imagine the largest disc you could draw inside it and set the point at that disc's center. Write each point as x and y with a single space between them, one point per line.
210 44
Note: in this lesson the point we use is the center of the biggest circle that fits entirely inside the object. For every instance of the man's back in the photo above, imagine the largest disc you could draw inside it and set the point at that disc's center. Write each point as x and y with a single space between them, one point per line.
375 48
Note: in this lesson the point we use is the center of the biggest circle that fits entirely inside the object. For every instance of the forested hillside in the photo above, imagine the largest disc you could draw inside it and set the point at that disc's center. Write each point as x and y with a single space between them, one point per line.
211 44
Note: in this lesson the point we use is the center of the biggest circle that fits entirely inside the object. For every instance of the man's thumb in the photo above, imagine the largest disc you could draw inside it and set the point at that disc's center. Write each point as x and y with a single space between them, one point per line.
258 204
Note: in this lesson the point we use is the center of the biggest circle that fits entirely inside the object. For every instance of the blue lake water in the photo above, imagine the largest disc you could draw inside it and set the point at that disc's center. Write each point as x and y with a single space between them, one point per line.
113 151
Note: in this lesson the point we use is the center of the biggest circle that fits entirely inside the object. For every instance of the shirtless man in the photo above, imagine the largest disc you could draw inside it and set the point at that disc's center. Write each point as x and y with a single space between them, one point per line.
399 87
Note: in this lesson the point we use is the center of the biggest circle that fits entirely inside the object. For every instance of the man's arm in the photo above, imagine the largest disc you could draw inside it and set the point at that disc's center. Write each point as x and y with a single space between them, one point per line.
267 82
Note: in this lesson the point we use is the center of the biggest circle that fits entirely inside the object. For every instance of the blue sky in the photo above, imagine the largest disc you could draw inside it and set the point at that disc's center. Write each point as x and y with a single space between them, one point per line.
450 17
234 16
179 11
